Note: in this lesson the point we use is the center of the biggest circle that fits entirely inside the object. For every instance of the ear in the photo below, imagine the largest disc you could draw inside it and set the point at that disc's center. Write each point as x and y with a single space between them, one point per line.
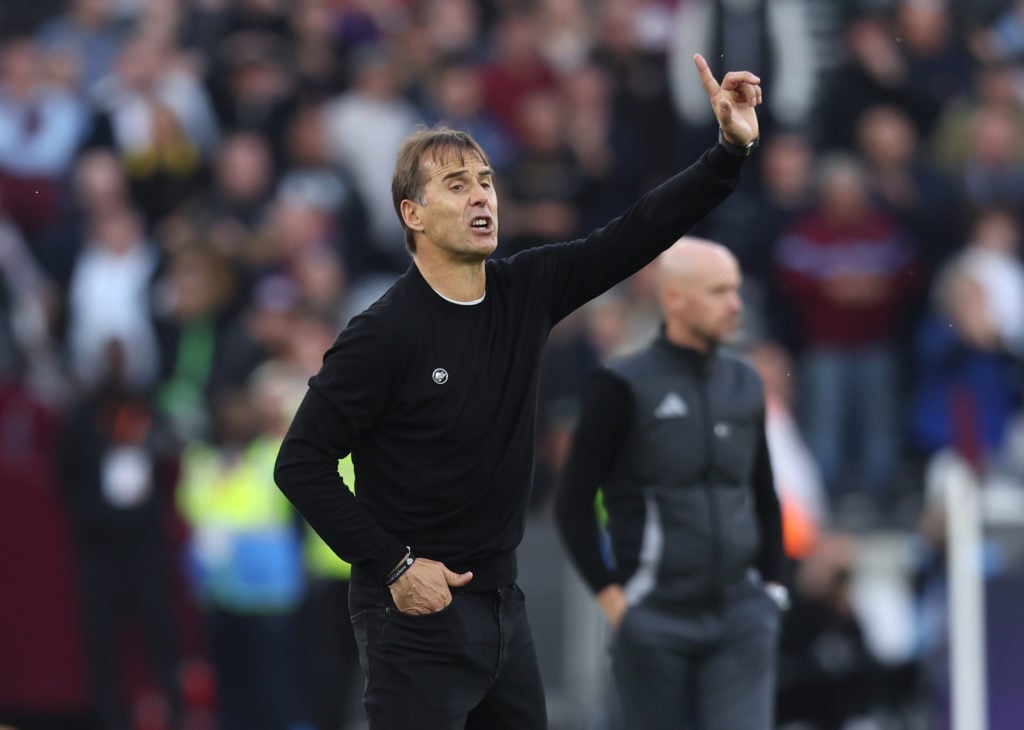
670 295
411 215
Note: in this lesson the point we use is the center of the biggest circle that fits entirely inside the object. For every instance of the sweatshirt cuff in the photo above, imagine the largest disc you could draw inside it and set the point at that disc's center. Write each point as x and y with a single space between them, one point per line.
723 164
384 561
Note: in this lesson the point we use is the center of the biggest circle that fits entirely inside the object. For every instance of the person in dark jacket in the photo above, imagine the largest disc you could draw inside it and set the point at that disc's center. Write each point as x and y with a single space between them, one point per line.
433 389
110 467
674 437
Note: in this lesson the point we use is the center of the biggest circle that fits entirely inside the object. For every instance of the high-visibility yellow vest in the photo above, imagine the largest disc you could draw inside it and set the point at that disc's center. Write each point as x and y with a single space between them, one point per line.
238 494
244 552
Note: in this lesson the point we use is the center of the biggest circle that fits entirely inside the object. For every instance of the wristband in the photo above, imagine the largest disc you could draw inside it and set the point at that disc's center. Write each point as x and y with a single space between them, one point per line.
739 150
399 570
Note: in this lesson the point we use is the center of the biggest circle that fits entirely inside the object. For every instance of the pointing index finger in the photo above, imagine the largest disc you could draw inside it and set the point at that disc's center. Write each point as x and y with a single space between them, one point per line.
706 77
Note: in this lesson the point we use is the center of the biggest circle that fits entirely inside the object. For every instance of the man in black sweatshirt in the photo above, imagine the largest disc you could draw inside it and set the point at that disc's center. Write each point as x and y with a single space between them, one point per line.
674 437
433 390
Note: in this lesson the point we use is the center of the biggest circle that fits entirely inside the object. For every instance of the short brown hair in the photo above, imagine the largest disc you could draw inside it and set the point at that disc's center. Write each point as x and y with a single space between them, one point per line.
409 178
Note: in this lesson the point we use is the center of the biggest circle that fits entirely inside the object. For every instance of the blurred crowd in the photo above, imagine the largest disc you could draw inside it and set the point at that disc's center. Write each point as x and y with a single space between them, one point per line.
195 198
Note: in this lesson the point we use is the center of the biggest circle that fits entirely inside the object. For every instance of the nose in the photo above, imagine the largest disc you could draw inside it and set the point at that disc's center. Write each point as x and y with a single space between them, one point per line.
478 194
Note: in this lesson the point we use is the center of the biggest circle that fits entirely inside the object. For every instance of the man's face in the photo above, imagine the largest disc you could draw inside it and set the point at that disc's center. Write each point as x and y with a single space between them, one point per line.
712 305
460 212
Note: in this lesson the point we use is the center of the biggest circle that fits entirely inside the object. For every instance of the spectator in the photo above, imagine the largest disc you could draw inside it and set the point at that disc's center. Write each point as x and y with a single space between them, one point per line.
246 564
234 210
148 71
319 72
192 295
452 27
996 85
966 384
827 675
252 87
516 71
156 117
457 96
847 266
752 222
640 92
41 126
109 467
98 186
605 147
293 228
566 34
933 48
28 309
1003 38
262 330
874 72
323 282
109 300
802 496
905 182
993 259
364 126
88 35
991 175
772 38
544 184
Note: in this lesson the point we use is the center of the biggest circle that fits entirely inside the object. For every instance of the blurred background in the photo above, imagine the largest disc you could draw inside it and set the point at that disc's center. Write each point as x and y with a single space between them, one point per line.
195 198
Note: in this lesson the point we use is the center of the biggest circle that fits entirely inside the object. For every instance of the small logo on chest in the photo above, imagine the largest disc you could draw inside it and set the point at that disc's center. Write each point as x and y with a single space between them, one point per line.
440 376
671 406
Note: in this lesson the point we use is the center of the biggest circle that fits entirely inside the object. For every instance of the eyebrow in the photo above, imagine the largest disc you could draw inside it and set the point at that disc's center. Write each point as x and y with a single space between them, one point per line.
463 172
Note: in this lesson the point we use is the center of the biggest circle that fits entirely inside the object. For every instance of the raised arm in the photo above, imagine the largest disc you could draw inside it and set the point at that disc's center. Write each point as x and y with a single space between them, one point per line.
586 268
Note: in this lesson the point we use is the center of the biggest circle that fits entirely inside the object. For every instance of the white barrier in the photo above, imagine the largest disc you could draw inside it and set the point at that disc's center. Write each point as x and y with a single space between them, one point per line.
966 595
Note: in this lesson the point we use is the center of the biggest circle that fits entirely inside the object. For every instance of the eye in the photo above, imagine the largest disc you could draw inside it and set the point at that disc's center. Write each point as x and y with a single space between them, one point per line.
457 187
485 185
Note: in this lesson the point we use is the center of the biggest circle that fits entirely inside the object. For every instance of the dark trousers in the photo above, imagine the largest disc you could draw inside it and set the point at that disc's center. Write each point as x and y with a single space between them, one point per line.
120 586
471 665
717 663
331 655
256 663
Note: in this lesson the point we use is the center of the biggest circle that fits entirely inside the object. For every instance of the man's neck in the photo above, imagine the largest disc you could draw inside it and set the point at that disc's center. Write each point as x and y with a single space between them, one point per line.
460 281
684 337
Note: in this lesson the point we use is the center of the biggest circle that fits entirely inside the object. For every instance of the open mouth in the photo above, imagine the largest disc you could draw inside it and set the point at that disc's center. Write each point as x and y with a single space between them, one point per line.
481 224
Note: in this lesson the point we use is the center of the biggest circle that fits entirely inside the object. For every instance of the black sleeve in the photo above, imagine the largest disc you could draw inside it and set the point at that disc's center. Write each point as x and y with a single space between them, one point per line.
585 268
604 423
769 515
344 401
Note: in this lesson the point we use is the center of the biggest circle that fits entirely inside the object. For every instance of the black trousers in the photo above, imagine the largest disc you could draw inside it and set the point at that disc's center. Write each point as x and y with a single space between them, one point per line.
331 656
122 586
470 666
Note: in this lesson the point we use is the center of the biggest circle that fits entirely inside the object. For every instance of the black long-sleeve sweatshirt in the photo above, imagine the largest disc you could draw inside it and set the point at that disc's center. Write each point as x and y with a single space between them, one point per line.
436 401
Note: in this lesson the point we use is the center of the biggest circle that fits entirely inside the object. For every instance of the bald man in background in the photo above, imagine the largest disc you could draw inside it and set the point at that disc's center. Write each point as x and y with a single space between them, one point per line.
674 438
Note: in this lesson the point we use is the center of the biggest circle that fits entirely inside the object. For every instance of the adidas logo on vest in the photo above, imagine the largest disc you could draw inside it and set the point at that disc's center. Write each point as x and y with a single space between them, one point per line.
671 406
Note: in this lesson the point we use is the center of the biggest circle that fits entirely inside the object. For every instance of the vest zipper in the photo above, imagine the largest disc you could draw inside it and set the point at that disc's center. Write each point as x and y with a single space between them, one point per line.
709 489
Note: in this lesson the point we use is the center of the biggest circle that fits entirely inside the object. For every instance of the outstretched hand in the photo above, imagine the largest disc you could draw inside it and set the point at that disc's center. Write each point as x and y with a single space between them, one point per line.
733 101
